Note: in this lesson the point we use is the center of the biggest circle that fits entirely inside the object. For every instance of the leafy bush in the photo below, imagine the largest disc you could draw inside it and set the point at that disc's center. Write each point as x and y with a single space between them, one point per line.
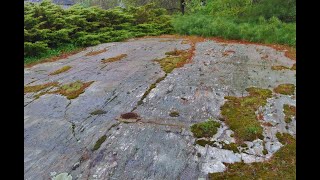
47 26
32 49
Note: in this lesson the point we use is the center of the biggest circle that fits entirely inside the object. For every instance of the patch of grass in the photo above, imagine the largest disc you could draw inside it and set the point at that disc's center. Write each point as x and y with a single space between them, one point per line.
289 112
37 88
98 112
286 89
279 68
232 146
205 129
281 166
239 113
99 142
264 31
61 70
93 53
113 59
174 114
52 55
203 142
73 90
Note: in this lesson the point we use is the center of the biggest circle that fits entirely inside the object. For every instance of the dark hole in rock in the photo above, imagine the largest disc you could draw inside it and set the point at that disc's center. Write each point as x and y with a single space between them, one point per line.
129 115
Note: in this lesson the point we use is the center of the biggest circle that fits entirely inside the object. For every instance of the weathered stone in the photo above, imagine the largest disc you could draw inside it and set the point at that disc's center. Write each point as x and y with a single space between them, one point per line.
59 133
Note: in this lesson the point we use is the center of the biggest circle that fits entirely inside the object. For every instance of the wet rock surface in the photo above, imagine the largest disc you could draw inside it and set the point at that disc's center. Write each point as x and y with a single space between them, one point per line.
60 134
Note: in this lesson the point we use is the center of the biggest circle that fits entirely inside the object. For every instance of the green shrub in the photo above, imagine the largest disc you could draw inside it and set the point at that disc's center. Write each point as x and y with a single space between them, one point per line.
33 49
47 26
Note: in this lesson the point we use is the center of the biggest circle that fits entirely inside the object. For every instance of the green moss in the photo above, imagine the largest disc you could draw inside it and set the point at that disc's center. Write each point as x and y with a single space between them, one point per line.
239 113
174 114
175 59
281 166
168 64
98 112
264 152
37 88
244 145
232 146
99 142
203 142
289 111
205 129
73 90
61 70
287 89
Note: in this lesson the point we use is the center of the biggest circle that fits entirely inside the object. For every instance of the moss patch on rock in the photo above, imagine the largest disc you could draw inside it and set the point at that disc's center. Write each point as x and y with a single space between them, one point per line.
99 142
205 129
281 166
174 114
37 88
239 113
232 146
73 90
289 112
61 70
174 59
113 59
286 89
203 142
98 112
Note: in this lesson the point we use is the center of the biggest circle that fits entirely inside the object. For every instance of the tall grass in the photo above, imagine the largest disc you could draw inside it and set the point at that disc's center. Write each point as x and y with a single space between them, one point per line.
265 31
240 19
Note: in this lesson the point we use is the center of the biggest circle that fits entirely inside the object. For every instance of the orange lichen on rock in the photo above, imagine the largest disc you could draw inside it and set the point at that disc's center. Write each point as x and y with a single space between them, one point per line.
113 59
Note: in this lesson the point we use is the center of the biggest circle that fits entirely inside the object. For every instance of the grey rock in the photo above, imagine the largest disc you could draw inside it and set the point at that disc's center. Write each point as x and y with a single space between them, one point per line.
59 134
